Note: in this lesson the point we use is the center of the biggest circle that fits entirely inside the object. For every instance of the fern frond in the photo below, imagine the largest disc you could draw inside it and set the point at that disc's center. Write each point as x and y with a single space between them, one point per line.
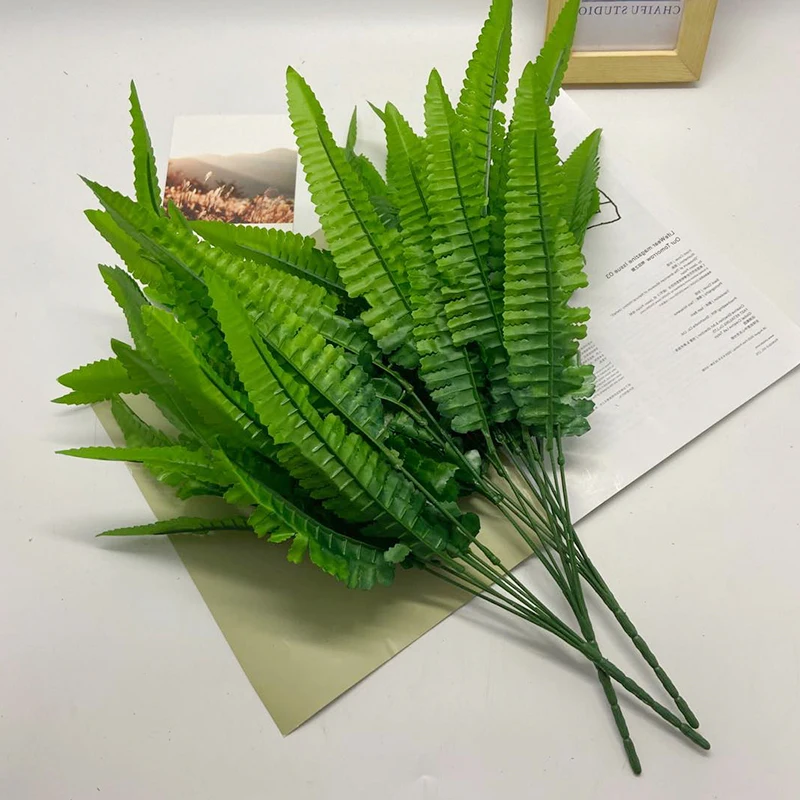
544 266
185 469
177 251
355 563
404 425
553 58
406 168
189 472
352 135
136 431
367 255
342 385
579 174
141 365
259 288
188 262
152 380
145 176
196 525
351 335
143 269
360 484
193 462
131 300
176 217
460 231
485 86
370 177
454 379
282 250
437 476
497 214
94 382
219 409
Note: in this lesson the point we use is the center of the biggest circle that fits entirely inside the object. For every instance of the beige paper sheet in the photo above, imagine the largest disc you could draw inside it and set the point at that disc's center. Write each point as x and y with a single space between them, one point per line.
301 637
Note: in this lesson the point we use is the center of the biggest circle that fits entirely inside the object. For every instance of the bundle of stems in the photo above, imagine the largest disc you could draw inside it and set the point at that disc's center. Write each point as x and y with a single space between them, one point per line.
539 513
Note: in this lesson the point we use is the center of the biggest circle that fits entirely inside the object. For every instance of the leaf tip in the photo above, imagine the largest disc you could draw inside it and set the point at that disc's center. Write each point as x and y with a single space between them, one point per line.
435 80
67 399
379 113
93 186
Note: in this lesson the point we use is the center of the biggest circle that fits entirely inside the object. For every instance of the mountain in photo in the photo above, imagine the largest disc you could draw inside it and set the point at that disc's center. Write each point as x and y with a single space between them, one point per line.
253 173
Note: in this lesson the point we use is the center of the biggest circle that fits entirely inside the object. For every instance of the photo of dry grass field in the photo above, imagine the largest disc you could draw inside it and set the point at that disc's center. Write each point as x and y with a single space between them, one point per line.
225 202
218 171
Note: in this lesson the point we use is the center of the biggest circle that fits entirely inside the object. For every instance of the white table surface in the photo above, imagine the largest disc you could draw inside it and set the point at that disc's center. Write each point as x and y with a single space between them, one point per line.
115 681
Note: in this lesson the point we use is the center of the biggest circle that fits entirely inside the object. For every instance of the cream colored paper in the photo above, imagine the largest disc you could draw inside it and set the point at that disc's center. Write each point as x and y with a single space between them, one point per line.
301 637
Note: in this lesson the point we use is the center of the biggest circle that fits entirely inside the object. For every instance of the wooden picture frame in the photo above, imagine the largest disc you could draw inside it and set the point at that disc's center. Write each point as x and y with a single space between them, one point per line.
684 64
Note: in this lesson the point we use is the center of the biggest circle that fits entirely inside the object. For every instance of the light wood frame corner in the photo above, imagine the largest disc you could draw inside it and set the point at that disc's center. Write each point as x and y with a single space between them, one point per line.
684 64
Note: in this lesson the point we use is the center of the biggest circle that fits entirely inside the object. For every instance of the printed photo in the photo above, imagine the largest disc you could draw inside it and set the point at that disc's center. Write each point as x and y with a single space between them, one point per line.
233 168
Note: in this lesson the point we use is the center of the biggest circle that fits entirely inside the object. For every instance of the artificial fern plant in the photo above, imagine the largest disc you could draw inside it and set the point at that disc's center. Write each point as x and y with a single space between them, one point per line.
344 401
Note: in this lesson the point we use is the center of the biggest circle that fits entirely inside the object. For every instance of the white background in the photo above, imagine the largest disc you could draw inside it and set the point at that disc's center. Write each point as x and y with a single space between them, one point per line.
115 681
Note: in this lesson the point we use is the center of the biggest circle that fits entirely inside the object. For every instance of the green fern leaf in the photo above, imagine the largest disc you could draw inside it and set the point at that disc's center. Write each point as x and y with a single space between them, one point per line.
282 250
145 176
485 86
397 553
367 255
143 269
437 476
259 287
474 307
136 431
179 253
262 521
151 379
189 472
406 169
351 335
176 217
219 408
188 260
497 211
355 563
77 399
196 525
352 135
579 174
131 300
544 266
405 426
190 462
371 179
554 56
92 383
360 484
343 386
368 174
145 376
454 379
